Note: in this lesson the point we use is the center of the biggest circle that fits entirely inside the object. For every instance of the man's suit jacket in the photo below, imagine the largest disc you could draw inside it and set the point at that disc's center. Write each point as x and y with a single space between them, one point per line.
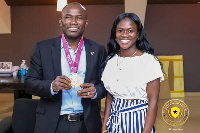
45 66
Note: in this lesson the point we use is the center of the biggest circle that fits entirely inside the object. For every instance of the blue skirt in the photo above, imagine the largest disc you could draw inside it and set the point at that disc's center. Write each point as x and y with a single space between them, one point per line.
127 116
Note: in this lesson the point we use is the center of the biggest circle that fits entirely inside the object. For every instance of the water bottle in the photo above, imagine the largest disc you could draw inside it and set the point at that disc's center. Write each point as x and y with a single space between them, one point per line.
23 68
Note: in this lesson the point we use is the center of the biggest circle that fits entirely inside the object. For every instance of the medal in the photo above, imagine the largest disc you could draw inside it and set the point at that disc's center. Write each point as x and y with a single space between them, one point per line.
76 80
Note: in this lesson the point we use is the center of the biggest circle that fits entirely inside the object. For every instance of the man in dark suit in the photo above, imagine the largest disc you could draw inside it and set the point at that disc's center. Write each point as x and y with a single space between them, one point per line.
65 72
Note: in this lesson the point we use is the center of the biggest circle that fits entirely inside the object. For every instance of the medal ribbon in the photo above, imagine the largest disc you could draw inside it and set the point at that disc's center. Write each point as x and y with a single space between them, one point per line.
73 65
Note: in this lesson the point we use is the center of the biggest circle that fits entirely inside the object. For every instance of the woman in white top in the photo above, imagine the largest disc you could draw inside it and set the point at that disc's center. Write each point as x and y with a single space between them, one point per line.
132 78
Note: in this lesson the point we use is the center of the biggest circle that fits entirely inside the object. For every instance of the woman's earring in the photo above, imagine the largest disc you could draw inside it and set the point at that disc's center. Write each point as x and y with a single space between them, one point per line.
138 39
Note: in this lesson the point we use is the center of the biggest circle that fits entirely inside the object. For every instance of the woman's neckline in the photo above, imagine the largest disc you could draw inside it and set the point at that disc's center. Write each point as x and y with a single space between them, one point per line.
132 56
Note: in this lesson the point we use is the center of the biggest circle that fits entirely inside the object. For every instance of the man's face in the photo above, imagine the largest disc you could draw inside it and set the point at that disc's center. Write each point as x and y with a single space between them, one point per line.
73 21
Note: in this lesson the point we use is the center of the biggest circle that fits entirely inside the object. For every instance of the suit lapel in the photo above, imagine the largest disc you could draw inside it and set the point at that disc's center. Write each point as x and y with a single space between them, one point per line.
89 57
56 55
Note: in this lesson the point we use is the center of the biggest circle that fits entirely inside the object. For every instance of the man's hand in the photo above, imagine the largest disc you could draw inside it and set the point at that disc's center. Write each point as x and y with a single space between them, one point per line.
88 90
61 82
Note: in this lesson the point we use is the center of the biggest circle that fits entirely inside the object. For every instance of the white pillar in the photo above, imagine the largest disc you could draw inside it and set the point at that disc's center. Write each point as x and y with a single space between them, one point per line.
138 7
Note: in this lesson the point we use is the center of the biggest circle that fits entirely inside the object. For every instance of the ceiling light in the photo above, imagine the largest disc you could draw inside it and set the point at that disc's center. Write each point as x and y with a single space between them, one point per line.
61 4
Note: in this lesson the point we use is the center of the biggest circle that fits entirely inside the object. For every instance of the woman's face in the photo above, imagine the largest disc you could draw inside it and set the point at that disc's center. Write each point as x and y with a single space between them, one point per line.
126 33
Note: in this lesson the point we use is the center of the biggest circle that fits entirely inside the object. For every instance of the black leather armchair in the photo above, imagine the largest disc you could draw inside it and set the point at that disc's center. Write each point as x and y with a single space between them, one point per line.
23 118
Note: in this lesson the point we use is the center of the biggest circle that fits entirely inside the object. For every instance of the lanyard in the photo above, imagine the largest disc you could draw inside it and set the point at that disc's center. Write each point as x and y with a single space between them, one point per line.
73 65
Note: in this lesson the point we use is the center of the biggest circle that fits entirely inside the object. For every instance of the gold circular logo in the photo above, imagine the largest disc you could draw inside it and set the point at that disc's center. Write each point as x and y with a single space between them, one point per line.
175 112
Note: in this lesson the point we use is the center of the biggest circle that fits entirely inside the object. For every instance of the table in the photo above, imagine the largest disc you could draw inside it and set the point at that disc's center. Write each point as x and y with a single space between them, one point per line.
16 84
